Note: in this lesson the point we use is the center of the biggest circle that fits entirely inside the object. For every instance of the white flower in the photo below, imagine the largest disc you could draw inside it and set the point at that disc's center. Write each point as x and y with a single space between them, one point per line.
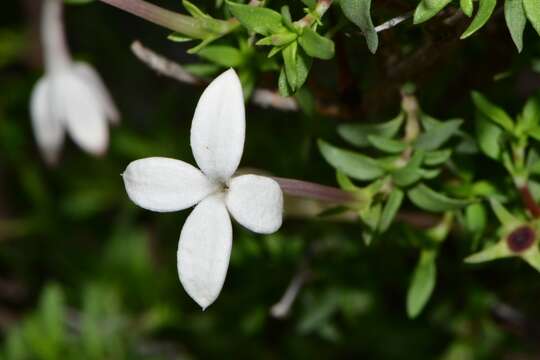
161 184
70 97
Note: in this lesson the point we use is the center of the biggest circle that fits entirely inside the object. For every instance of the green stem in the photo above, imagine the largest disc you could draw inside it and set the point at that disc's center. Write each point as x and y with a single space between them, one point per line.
197 28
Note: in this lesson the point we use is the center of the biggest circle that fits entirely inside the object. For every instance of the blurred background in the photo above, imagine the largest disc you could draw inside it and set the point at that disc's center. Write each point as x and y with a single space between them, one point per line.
85 274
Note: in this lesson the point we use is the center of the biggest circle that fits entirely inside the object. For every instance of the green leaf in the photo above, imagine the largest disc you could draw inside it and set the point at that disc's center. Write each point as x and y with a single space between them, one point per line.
289 60
283 85
422 283
428 199
437 135
482 16
534 133
438 157
514 14
316 45
359 13
489 136
223 55
287 19
357 134
355 165
475 218
387 145
371 217
257 19
530 117
504 216
467 7
278 39
425 11
533 13
410 173
194 10
177 37
390 209
493 112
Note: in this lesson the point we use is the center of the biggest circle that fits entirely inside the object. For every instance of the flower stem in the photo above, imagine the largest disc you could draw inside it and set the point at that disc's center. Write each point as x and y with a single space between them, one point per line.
315 191
320 9
56 53
197 28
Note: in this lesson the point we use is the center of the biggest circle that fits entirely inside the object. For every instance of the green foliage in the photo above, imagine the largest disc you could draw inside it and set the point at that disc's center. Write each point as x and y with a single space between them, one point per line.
359 12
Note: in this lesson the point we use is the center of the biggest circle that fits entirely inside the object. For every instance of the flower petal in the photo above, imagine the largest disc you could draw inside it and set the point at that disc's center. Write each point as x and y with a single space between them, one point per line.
218 128
204 250
48 129
162 184
256 202
82 112
88 74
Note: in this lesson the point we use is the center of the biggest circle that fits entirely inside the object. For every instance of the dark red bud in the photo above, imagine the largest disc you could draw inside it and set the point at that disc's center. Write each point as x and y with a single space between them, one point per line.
521 239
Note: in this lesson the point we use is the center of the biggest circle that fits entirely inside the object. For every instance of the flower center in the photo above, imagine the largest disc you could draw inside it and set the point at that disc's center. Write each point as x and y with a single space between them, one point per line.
521 239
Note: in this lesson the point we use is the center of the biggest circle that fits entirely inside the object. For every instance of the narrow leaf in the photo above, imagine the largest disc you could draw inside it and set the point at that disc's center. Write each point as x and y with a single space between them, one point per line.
357 134
223 55
316 45
514 14
422 283
425 11
504 216
467 7
489 136
410 173
387 145
532 9
437 157
436 136
355 165
390 209
493 112
428 199
359 12
482 16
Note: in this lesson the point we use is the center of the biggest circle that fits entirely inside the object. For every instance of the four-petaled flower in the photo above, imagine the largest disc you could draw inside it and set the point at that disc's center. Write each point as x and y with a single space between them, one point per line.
162 184
71 96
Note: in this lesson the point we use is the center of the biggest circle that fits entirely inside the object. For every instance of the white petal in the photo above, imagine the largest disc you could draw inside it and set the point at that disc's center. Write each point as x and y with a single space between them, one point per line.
48 129
88 74
256 202
162 184
81 111
204 250
218 128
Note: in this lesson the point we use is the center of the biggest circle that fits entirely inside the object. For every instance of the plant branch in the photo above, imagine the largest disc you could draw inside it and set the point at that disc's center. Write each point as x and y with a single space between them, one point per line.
315 191
529 201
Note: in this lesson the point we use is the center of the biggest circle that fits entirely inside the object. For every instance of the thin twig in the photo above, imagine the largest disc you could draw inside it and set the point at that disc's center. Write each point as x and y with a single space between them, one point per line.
262 97
393 22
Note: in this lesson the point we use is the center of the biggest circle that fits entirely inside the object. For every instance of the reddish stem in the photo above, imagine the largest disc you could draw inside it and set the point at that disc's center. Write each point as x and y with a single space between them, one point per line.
529 201
306 189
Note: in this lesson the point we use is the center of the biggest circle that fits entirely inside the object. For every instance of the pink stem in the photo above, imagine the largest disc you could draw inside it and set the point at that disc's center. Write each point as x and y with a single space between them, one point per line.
311 190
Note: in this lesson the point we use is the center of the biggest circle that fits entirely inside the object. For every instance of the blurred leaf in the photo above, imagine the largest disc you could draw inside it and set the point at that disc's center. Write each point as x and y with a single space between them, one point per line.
502 214
437 157
387 145
390 209
489 136
257 19
430 200
482 16
422 283
223 55
357 134
476 218
425 11
493 112
194 10
533 13
436 136
359 12
467 7
355 165
316 45
514 14
410 173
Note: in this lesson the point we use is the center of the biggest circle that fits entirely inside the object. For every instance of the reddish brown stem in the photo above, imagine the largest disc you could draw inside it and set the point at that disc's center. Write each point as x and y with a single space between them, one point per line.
529 201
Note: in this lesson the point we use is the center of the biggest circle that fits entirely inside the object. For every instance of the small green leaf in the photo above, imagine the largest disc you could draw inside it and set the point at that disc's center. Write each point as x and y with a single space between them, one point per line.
533 13
287 19
223 55
429 174
482 16
534 133
278 39
438 157
357 134
355 165
422 283
316 45
359 13
371 217
530 117
425 11
345 182
489 136
514 14
428 199
410 173
493 112
504 216
436 136
467 7
475 218
257 19
177 37
289 60
194 10
387 145
390 209
283 85
492 252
